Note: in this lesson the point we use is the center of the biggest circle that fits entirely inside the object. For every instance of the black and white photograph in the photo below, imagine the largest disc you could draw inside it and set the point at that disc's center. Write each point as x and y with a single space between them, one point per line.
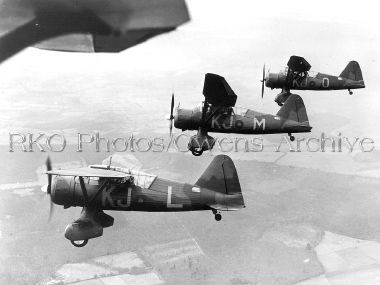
152 142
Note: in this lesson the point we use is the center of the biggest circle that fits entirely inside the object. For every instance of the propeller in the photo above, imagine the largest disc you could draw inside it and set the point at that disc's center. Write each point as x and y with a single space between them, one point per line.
48 168
48 189
262 82
171 117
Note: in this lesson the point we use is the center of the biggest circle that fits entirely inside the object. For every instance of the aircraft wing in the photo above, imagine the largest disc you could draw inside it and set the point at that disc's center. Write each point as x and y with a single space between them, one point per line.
88 172
217 91
298 64
85 25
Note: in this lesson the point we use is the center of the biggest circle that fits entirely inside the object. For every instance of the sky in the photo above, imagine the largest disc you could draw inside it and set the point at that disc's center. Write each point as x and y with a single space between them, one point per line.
233 39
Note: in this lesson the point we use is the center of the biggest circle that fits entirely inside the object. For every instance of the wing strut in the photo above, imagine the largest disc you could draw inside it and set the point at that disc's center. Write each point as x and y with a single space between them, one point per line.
84 190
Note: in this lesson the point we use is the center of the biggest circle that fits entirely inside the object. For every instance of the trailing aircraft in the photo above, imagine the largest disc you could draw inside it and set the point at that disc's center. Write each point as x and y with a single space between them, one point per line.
218 114
297 76
104 187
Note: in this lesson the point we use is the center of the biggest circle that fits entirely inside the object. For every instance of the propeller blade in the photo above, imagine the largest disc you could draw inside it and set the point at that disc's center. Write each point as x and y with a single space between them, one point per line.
51 210
48 168
172 107
171 115
84 190
262 83
48 189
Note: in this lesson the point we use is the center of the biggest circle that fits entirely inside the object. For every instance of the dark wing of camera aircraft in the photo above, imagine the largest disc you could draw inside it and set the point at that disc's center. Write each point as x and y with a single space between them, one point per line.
218 114
104 187
297 76
85 25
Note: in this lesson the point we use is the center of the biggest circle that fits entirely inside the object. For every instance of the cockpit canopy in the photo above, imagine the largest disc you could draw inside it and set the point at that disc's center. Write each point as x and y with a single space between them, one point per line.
138 178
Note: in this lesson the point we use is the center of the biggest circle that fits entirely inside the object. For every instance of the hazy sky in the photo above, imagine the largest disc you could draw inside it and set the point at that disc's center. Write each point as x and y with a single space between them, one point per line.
232 38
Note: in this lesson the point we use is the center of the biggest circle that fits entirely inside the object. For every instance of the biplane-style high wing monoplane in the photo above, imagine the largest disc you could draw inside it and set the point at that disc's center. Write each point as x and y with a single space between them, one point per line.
297 76
218 114
105 187
85 25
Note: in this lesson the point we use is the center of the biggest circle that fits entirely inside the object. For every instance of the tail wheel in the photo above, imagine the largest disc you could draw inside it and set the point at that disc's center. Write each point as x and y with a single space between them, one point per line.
292 138
218 217
79 243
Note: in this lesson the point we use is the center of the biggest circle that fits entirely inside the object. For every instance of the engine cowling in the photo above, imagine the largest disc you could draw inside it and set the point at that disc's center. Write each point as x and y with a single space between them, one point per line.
188 119
275 80
66 190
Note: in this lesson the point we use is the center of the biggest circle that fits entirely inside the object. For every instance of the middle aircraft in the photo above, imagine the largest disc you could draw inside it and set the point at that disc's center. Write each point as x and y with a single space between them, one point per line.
218 114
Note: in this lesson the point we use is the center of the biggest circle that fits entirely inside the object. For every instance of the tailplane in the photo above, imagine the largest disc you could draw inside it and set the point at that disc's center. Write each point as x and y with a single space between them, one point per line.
294 109
352 71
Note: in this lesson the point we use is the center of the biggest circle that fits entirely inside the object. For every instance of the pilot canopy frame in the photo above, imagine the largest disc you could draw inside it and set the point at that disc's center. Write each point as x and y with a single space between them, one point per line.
141 179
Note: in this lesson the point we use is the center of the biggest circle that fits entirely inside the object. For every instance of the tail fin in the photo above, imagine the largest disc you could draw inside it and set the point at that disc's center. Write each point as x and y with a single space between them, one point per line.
352 71
294 109
220 176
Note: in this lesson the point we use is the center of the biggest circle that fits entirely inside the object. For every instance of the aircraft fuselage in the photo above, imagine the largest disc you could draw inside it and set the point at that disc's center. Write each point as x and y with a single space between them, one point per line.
161 196
247 122
319 82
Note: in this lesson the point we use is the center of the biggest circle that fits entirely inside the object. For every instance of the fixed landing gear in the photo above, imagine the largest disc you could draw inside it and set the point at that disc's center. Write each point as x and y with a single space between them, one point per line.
79 243
217 215
291 137
350 92
282 97
200 142
196 152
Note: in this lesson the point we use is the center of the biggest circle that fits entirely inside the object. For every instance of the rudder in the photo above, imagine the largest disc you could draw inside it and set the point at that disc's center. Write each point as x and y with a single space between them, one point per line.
352 71
294 109
220 176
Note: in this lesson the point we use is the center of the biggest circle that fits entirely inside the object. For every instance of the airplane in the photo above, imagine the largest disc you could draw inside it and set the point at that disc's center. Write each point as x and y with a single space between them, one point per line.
104 187
218 114
297 76
85 25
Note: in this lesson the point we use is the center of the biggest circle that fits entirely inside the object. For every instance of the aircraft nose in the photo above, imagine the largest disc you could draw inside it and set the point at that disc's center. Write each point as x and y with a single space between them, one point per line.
268 80
186 119
62 190
180 118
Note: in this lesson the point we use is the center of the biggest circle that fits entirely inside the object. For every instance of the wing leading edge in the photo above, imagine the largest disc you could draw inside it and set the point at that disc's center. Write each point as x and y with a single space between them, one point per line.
88 172
85 26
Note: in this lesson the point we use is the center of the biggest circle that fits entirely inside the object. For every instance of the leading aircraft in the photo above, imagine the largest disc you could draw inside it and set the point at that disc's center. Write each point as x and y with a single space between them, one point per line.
104 187
297 76
218 114
85 25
